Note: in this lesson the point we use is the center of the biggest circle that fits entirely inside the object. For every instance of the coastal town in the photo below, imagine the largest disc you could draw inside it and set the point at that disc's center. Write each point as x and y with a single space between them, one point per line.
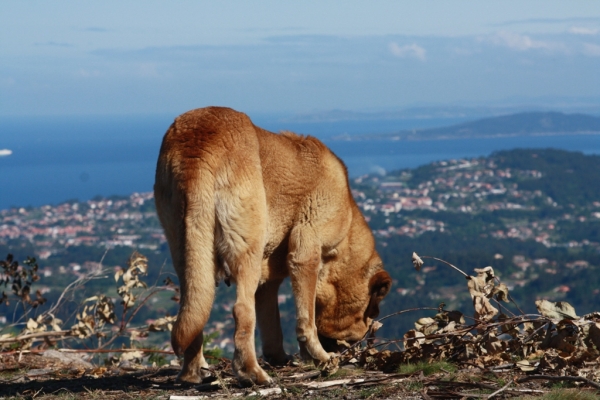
474 187
477 201
394 205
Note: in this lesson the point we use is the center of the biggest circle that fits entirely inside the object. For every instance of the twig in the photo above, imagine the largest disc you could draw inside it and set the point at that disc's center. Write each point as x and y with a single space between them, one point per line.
34 336
560 378
447 263
503 388
368 332
408 310
425 395
77 283
153 291
220 381
515 303
122 351
534 332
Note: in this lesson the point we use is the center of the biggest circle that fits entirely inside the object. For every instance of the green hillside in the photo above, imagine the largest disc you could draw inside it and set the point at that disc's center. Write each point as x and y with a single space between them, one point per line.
533 215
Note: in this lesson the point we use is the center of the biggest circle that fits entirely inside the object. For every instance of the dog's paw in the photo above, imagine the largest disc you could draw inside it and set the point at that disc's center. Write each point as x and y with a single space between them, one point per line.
250 374
330 366
278 360
194 375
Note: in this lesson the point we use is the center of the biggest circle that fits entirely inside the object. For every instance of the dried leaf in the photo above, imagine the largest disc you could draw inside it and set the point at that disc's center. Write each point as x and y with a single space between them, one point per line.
118 274
426 325
594 334
481 288
416 260
375 326
525 366
413 338
501 292
484 310
32 325
162 324
556 311
493 345
132 356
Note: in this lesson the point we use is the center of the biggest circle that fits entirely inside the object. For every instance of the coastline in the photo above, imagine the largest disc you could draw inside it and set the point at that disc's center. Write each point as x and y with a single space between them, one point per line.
416 138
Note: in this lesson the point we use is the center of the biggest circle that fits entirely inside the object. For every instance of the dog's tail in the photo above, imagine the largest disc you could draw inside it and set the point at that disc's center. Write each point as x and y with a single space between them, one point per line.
185 202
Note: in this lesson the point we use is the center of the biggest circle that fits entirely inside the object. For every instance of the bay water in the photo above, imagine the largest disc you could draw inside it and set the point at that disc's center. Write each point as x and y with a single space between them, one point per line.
55 159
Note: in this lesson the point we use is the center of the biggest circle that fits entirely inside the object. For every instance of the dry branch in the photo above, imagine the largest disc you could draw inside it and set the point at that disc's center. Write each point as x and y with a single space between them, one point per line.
559 378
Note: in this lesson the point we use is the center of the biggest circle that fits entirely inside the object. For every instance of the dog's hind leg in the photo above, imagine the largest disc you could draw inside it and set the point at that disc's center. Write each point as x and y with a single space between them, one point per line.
241 235
195 367
244 364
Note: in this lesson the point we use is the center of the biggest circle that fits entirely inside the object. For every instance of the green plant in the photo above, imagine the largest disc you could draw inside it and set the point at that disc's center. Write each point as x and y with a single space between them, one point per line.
370 392
565 394
344 373
212 354
427 368
157 358
414 386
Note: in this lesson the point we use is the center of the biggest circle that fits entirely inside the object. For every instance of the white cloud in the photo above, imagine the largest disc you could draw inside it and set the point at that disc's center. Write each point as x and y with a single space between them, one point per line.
409 50
520 42
591 49
579 30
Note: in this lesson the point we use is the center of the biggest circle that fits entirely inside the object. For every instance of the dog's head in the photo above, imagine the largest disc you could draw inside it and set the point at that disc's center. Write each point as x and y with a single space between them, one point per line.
348 297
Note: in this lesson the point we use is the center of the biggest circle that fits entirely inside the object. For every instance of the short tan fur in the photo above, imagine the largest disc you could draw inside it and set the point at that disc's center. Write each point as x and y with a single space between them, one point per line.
240 203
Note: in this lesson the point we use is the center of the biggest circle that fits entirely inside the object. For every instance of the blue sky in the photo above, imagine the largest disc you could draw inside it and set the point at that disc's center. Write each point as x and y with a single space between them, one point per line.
114 57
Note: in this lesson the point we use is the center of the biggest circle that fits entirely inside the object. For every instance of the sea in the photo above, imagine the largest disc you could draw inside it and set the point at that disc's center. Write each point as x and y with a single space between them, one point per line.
57 159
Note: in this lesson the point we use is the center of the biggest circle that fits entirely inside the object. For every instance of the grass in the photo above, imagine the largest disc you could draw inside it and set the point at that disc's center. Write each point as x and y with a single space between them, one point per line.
427 368
565 394
413 386
370 392
344 373
9 374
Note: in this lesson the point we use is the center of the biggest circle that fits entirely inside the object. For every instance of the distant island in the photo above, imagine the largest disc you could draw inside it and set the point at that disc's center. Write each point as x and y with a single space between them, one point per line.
5 152
520 124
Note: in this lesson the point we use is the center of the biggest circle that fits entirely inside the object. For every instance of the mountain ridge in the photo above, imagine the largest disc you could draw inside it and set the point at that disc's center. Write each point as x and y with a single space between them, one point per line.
536 123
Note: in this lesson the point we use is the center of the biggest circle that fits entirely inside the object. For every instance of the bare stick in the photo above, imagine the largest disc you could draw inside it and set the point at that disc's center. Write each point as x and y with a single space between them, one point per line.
447 263
559 378
408 310
503 388
76 284
34 336
515 303
368 332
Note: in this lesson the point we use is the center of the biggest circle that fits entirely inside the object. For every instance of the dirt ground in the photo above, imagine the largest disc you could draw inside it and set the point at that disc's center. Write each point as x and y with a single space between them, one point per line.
37 376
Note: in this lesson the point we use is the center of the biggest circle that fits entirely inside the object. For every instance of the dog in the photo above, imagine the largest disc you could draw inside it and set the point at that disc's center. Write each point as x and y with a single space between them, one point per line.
253 207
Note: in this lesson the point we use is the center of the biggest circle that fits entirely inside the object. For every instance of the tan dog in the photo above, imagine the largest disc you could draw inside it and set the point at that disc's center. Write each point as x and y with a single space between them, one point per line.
241 203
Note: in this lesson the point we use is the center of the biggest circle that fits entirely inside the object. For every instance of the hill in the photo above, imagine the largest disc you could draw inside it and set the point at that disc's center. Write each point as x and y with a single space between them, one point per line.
520 124
533 215
527 123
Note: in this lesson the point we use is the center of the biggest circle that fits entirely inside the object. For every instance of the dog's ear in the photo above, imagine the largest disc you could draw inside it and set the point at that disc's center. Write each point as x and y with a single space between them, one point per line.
379 286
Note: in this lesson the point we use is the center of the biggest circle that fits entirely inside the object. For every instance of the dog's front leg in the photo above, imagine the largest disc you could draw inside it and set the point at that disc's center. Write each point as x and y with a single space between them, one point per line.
304 262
